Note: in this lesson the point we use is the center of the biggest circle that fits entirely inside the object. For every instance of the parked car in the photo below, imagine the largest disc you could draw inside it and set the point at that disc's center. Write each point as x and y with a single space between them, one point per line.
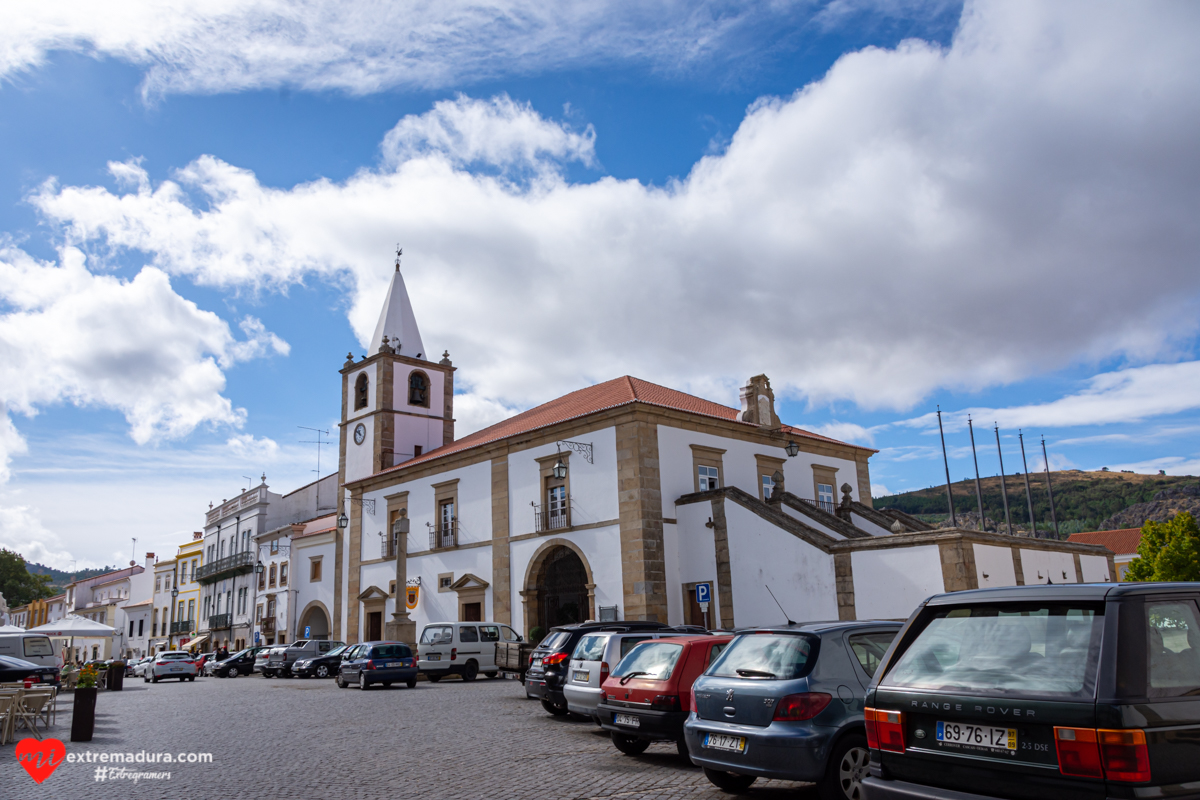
787 703
202 660
240 663
139 667
36 648
462 648
277 653
14 669
649 695
320 666
367 664
132 664
281 659
548 664
590 666
1067 691
171 664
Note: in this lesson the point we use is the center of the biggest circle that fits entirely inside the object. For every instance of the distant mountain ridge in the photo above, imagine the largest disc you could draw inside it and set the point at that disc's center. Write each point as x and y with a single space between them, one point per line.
60 578
1083 501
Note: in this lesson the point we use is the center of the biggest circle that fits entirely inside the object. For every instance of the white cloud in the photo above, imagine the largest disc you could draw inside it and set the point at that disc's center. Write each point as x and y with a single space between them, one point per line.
1172 465
367 47
920 218
846 432
22 531
248 447
879 490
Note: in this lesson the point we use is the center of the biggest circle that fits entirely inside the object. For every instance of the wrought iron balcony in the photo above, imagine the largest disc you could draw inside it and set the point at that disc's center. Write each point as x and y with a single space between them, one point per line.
268 625
551 517
444 535
220 621
825 505
236 564
183 627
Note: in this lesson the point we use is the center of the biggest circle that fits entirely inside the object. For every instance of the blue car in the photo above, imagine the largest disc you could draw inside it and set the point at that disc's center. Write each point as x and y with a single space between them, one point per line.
369 663
787 703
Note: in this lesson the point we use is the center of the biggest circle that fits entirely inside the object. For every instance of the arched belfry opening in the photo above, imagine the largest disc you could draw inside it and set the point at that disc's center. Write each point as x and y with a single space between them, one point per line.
362 391
558 586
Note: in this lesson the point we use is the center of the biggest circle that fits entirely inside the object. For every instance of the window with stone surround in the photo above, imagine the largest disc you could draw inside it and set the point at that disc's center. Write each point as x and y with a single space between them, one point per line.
767 467
824 481
418 389
283 573
707 468
314 569
362 391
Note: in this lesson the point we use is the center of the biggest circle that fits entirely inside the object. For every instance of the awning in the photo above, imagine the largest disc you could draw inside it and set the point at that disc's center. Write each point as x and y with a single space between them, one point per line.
197 641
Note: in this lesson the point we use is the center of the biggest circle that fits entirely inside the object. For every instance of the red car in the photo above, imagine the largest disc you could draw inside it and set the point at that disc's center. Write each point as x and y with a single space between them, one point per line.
649 694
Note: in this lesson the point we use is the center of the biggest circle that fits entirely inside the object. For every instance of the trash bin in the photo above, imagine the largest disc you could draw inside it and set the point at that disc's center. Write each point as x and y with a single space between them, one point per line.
115 679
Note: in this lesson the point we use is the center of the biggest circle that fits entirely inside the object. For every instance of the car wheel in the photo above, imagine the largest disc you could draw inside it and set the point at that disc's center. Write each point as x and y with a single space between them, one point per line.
267 674
362 681
433 678
411 683
145 678
556 710
630 745
730 782
341 684
191 678
154 679
493 675
233 672
471 672
848 765
322 671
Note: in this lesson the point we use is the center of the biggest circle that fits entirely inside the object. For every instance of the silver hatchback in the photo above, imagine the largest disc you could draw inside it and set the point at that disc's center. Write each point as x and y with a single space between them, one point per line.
593 658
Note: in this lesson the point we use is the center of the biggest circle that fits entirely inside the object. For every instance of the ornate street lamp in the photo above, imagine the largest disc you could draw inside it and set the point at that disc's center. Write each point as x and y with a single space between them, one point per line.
259 568
559 470
343 520
791 448
174 592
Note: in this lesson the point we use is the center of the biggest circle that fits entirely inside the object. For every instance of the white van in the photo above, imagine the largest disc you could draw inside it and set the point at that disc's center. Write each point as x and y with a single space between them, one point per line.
461 648
34 647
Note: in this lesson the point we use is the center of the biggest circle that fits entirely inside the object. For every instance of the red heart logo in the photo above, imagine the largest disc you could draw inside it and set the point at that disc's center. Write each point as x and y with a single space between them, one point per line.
40 758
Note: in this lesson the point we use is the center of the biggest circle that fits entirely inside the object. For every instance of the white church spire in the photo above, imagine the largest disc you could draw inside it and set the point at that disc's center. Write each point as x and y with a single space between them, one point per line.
396 320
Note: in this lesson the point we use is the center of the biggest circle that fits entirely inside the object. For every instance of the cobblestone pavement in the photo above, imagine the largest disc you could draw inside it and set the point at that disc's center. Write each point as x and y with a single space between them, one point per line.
282 739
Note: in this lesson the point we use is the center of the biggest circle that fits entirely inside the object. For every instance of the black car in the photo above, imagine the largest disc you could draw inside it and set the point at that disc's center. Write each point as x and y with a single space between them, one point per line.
240 663
549 661
322 666
17 669
1072 692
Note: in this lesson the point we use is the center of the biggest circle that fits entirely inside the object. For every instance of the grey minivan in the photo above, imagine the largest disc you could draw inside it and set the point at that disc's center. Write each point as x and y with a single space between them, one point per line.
787 703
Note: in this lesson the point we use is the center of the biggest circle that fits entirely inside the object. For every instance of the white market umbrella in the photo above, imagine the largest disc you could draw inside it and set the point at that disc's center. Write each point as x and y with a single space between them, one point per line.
12 629
71 626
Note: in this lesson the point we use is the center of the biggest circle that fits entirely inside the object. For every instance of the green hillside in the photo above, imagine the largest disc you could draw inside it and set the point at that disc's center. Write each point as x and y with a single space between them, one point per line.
60 578
1083 501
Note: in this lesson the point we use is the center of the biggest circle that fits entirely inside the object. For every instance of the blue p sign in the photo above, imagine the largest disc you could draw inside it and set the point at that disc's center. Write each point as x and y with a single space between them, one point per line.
256 640
307 631
703 592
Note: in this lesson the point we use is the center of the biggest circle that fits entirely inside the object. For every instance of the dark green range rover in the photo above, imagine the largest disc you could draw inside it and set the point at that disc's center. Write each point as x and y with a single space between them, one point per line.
1074 692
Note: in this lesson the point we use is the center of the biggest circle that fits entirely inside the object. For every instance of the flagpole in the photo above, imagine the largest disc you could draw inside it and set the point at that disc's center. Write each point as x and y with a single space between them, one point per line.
946 461
1003 488
1028 491
1049 489
978 489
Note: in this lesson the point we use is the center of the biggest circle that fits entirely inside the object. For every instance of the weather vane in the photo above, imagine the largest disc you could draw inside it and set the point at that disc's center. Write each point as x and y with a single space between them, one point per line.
399 252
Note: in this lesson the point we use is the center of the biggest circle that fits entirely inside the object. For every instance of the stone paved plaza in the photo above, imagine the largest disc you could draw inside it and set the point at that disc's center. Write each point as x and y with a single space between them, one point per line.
283 739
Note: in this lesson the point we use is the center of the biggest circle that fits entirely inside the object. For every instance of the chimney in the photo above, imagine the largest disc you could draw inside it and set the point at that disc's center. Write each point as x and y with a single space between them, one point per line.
758 403
149 561
197 536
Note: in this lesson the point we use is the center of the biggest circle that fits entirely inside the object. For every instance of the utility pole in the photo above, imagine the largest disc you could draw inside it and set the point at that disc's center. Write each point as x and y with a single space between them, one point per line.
1003 488
1028 491
318 443
978 488
946 461
1049 489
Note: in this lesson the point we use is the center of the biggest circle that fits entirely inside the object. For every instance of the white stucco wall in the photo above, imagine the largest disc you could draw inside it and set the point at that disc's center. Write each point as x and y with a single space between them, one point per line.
994 566
351 411
762 555
303 551
864 524
602 548
435 606
437 389
359 456
690 558
1043 566
888 584
810 522
593 486
1095 569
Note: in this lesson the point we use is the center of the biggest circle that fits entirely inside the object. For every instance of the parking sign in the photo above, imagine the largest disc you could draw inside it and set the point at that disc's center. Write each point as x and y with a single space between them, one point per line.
703 592
307 631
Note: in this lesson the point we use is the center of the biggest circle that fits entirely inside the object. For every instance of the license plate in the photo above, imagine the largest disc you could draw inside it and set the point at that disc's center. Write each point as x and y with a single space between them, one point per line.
580 676
719 741
395 664
983 736
434 657
537 662
627 719
176 669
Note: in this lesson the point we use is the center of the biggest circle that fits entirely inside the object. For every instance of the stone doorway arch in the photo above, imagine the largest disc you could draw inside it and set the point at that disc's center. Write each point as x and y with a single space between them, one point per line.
316 617
559 587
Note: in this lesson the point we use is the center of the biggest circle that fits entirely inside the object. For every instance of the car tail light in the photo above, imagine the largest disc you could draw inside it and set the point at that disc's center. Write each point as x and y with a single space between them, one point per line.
665 702
369 665
885 729
1078 754
692 692
603 672
531 659
554 658
453 653
1124 755
796 707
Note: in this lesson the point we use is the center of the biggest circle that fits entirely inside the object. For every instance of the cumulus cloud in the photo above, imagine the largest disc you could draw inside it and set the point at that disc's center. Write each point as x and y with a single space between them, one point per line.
921 217
846 432
369 46
22 531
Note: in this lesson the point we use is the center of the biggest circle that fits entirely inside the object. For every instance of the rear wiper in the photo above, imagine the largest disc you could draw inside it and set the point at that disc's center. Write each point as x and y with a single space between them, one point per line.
755 673
626 678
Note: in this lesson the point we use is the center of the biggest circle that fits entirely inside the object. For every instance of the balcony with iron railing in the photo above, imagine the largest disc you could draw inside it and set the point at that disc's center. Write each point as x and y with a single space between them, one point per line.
218 622
236 564
552 516
827 506
444 535
183 627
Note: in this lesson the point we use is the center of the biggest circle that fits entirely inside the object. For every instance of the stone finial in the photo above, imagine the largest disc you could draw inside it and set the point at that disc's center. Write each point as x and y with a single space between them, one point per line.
898 527
445 362
758 403
846 498
777 484
349 360
264 478
384 347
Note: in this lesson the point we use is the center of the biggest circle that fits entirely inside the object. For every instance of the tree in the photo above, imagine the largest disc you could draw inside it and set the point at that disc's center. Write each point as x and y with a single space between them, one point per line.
1169 551
18 584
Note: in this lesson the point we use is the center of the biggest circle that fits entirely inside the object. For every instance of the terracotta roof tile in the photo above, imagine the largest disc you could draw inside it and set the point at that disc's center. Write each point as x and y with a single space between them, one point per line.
1122 542
610 394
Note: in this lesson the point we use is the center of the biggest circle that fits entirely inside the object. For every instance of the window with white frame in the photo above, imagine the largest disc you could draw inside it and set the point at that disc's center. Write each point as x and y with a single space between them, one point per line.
767 486
825 495
709 477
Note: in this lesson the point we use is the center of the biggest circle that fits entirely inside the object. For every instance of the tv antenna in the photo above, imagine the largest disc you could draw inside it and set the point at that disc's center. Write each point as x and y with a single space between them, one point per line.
318 442
785 614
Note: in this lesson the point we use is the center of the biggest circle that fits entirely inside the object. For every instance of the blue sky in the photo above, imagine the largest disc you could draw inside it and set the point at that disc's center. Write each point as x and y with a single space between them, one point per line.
884 205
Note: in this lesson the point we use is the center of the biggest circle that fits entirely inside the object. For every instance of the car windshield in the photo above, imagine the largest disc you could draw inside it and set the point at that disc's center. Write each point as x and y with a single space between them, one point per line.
766 656
240 653
590 648
554 640
337 651
652 661
299 643
38 646
437 634
173 656
1018 650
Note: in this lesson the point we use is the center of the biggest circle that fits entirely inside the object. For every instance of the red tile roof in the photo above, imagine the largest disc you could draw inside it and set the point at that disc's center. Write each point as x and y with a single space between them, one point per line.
1122 542
593 399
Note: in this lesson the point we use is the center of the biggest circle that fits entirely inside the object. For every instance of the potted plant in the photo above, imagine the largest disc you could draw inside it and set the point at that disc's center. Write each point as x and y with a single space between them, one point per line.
83 714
